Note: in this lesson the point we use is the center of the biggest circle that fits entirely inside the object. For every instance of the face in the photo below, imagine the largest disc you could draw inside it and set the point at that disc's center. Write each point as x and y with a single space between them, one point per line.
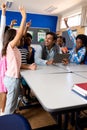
79 43
49 41
60 41
28 41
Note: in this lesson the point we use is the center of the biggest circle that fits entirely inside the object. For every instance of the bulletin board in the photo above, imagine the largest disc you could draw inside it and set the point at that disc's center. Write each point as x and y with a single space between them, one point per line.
38 34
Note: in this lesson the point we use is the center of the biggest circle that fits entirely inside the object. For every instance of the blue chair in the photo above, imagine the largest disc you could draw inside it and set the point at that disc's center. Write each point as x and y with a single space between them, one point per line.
14 122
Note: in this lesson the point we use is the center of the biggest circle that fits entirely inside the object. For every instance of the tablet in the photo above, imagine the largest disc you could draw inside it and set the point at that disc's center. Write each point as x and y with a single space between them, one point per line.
59 57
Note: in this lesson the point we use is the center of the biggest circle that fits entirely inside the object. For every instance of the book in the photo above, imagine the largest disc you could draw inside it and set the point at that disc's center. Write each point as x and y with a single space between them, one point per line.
80 88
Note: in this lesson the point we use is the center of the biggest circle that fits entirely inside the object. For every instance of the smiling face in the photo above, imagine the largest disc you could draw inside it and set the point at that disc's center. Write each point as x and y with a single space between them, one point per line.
60 41
49 41
79 43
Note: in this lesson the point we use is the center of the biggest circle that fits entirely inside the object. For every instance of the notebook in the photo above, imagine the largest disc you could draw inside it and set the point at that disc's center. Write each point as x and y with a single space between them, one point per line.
59 57
80 88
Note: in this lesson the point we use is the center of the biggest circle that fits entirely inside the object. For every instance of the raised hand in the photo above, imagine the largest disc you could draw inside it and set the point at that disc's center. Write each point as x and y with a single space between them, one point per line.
13 22
22 11
28 24
66 20
3 7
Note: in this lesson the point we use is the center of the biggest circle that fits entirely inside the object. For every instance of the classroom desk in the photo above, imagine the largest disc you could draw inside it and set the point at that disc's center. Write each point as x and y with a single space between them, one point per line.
54 90
52 86
48 70
73 67
82 74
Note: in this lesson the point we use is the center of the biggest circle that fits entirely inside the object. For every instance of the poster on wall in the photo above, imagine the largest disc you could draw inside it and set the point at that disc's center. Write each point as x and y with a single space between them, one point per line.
41 36
38 34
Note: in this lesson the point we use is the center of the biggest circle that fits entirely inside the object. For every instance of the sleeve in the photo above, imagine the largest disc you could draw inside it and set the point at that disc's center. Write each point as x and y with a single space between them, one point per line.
38 55
78 57
72 37
3 24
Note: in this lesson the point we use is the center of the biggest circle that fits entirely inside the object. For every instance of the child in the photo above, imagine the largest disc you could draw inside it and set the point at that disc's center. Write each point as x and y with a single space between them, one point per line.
3 90
24 60
61 43
31 50
77 54
13 56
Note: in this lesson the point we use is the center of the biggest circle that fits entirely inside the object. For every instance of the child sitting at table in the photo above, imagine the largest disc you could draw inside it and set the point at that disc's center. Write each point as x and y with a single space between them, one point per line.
78 52
61 43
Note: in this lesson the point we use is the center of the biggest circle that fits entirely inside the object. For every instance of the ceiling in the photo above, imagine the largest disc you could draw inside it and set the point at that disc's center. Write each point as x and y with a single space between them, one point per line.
48 7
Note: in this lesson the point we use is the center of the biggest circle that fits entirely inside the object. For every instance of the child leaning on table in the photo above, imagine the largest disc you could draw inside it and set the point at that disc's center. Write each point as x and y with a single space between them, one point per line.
13 57
78 52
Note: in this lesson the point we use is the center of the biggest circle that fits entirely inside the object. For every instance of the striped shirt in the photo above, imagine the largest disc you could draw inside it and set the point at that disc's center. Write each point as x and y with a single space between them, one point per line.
24 55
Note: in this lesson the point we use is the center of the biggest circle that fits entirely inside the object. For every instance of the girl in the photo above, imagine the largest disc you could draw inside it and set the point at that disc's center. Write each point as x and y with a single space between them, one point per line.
3 90
13 56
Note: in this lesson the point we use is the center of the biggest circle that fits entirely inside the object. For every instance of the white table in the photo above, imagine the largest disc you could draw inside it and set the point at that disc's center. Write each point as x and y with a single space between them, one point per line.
53 90
73 67
82 74
48 70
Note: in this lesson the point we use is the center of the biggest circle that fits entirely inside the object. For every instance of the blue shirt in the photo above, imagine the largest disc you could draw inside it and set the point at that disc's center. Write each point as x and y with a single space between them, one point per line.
80 55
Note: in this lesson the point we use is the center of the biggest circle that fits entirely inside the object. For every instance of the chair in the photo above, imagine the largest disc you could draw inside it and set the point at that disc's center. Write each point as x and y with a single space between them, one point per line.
14 122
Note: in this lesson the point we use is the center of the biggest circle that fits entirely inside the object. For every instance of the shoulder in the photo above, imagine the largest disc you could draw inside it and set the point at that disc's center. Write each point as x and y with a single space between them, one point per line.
56 47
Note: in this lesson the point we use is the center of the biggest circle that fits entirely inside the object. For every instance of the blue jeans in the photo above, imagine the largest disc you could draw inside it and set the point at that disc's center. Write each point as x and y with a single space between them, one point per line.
13 88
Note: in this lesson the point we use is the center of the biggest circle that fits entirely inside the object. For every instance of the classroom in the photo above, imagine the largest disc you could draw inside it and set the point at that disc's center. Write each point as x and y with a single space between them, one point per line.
43 65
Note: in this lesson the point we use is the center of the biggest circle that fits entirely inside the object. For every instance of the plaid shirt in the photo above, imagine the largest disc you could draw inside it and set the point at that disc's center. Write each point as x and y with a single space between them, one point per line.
80 55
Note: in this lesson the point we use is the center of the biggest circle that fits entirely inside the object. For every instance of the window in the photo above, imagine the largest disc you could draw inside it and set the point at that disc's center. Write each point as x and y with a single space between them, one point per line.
72 21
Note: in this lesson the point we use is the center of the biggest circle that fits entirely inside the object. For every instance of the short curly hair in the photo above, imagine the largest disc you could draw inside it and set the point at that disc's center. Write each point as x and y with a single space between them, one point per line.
83 38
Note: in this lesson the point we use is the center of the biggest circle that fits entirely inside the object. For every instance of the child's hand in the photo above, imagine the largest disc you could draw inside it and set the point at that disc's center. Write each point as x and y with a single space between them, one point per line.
65 19
14 22
22 11
65 61
28 24
33 66
64 49
3 7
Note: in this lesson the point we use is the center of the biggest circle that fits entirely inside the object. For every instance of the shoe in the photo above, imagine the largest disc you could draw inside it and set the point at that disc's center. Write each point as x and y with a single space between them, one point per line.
18 101
33 99
25 100
1 113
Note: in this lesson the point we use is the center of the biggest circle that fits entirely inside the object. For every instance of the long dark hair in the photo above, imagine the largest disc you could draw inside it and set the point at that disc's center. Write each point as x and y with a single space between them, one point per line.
9 36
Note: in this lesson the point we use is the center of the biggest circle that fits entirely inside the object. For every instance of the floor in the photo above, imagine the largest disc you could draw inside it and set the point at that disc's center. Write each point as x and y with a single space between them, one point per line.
39 119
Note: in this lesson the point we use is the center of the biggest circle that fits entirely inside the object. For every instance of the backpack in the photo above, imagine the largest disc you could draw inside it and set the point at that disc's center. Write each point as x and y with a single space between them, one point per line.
3 68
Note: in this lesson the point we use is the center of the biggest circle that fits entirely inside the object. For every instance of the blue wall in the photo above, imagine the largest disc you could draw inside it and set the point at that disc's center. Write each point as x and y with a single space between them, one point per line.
42 21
